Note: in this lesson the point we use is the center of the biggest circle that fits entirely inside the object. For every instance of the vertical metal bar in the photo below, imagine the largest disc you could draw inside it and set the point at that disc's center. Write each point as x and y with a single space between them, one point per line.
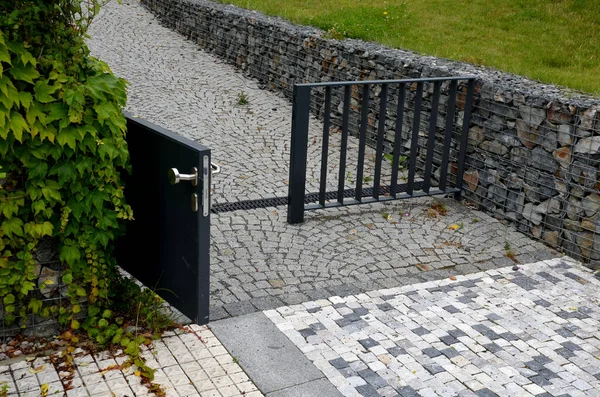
463 138
362 141
344 143
325 150
298 149
414 144
398 139
450 109
435 103
380 133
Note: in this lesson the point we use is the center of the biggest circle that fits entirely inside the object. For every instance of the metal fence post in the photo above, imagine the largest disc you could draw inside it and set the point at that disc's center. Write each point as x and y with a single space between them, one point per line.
462 154
298 153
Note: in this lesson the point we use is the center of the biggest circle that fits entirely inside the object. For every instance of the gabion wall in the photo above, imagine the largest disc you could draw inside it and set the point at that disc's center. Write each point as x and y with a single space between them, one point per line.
534 149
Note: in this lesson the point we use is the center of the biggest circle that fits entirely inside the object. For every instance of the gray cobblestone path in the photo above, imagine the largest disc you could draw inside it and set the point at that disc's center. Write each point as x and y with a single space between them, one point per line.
258 261
532 332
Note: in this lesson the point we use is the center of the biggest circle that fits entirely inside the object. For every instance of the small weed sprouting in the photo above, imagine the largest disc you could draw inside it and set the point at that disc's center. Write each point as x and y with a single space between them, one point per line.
243 99
367 179
507 246
333 33
439 207
4 390
402 160
475 220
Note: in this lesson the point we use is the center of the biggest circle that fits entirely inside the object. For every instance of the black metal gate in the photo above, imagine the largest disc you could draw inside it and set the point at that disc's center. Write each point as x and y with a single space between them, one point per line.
419 99
167 244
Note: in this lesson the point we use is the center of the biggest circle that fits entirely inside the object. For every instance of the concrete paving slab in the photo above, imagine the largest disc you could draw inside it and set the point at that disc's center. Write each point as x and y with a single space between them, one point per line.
319 387
269 358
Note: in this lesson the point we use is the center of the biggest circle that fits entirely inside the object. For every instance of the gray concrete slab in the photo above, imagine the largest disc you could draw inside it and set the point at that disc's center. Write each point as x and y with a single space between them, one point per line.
269 358
319 387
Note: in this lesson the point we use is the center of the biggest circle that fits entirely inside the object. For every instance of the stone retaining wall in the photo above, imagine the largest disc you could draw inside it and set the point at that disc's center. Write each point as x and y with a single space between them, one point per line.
534 149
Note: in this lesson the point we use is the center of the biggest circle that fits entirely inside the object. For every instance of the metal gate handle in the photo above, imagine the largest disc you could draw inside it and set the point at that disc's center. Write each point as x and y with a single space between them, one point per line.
175 177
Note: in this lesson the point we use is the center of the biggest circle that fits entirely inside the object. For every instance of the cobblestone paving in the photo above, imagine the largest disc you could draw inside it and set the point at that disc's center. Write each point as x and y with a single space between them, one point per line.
259 262
532 332
187 363
190 92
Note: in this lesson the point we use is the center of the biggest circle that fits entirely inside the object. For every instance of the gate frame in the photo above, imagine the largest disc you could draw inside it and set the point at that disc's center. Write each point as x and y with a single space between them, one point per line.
299 144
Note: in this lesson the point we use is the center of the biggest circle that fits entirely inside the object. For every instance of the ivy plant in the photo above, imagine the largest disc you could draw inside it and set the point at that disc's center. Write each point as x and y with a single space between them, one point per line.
62 151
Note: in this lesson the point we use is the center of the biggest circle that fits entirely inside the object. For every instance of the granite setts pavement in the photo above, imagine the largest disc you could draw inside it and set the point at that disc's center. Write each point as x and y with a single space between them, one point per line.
531 332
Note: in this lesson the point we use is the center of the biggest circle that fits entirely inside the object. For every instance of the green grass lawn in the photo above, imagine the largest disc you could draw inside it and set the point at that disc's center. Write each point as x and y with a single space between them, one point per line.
555 41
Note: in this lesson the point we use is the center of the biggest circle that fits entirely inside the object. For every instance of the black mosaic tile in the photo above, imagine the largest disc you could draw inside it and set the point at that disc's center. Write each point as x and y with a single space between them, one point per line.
451 309
343 322
493 317
542 359
339 305
464 299
571 346
307 332
566 353
575 277
542 302
450 352
368 343
493 348
540 380
431 352
384 307
533 365
457 333
546 373
483 330
421 331
547 276
449 339
509 336
347 372
352 317
396 351
367 391
339 363
361 311
408 391
372 378
565 333
525 282
485 393
434 368
314 310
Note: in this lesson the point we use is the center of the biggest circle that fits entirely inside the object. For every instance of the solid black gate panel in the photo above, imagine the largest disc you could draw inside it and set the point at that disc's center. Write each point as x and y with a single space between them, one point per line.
167 246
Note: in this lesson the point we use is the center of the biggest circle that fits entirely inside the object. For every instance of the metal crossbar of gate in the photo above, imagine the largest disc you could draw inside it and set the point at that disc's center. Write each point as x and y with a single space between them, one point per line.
404 120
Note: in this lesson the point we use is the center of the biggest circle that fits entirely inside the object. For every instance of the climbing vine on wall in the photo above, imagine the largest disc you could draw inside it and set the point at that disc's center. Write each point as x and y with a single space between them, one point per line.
62 150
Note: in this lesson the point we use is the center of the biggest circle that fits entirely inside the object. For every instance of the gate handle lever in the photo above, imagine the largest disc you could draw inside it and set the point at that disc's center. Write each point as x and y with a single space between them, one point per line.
175 177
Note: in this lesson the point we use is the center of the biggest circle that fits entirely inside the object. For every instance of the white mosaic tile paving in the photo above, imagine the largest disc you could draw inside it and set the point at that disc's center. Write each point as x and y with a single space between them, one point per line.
531 332
188 364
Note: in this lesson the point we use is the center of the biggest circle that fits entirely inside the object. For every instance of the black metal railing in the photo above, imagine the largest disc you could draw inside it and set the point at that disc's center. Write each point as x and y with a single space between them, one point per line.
457 91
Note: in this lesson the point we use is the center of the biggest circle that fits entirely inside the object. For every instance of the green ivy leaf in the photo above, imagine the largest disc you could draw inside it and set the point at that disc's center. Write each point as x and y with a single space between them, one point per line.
25 98
9 299
24 73
43 91
17 125
70 254
13 226
67 278
68 136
